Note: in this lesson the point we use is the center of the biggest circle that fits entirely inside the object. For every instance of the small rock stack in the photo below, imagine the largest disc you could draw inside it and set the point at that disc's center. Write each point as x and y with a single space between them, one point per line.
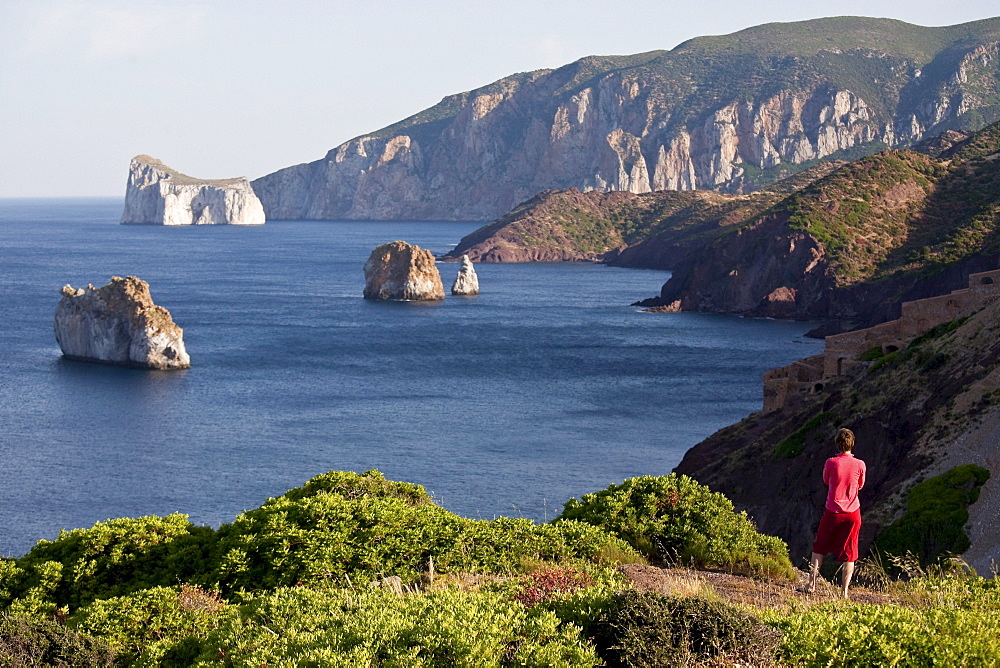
403 272
466 283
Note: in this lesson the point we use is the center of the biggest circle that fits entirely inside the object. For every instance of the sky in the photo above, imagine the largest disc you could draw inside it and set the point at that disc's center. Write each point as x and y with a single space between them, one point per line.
224 88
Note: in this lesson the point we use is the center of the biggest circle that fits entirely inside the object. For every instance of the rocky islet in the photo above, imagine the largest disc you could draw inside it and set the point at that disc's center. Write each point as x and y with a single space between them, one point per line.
119 324
158 195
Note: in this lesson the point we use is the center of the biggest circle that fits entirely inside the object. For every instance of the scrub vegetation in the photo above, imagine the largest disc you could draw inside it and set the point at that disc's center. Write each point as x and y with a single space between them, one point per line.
353 569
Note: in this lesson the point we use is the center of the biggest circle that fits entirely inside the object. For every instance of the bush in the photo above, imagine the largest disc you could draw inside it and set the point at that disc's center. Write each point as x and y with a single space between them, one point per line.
933 526
677 519
148 624
646 629
31 642
887 635
109 559
301 626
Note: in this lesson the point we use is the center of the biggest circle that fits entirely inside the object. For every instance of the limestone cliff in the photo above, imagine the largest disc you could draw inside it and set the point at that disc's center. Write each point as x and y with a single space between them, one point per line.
159 195
404 272
119 324
729 113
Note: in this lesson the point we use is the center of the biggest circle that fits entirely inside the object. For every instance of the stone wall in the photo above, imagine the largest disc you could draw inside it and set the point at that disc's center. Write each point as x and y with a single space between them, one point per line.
807 376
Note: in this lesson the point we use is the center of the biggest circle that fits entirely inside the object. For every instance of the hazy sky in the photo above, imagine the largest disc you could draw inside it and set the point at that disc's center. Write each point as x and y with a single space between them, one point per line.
225 88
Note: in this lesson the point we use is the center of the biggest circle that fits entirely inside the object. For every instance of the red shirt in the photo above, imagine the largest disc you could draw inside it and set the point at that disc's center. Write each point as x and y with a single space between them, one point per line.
845 475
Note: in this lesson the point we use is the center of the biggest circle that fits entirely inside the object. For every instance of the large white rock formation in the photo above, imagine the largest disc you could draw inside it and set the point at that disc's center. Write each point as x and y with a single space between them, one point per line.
159 195
467 282
402 271
119 324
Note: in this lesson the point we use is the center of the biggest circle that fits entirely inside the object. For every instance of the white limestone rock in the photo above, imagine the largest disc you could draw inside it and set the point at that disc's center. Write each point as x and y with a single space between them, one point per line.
404 272
467 282
159 195
119 324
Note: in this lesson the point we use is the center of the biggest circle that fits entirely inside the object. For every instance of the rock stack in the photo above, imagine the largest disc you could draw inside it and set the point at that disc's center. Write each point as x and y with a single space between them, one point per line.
119 324
466 283
159 195
401 271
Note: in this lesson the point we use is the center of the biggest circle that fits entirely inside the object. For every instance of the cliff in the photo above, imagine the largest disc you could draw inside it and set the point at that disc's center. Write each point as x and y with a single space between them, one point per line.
918 412
852 245
119 324
728 113
159 195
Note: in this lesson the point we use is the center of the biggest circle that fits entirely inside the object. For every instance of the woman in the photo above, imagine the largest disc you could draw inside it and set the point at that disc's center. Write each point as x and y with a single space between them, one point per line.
844 475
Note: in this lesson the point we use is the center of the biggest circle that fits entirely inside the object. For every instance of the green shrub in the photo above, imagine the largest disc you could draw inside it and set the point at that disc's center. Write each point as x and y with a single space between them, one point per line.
871 354
33 642
674 518
795 443
850 635
933 526
111 558
147 624
301 626
646 629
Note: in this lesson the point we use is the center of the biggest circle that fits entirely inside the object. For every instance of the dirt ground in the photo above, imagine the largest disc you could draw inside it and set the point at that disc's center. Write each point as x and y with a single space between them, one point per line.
739 589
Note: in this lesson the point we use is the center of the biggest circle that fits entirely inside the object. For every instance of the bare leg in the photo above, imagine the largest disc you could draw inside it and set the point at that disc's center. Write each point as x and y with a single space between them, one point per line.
847 571
814 564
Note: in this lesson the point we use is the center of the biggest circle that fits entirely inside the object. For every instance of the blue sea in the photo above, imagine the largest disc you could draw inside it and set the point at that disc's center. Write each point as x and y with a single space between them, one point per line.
546 386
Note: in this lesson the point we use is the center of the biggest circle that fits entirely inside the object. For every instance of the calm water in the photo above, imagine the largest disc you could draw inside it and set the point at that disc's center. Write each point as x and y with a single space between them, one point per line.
544 387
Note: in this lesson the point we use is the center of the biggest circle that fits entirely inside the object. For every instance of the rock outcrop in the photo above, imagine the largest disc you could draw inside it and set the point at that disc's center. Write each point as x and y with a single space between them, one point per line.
727 113
404 272
119 324
159 195
467 282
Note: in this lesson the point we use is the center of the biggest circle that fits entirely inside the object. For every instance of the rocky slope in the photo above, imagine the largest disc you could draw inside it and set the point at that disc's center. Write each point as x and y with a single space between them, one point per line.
119 324
728 113
917 413
159 195
649 230
851 246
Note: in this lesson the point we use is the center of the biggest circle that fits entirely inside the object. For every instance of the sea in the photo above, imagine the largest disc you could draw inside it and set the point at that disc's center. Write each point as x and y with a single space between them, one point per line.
546 386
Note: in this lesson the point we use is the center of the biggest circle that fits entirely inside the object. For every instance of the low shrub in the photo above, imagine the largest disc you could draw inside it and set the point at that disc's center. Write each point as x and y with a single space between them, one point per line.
850 635
675 518
302 626
28 642
647 629
145 625
933 526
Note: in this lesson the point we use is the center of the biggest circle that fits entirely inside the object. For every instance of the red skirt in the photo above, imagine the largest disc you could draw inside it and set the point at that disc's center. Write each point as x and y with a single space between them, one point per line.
838 533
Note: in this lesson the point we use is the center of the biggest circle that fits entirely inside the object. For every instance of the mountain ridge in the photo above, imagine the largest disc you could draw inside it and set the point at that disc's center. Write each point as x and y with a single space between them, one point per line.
717 112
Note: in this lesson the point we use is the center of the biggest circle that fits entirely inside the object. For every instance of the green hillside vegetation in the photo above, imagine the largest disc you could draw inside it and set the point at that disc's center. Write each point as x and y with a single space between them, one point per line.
288 584
900 211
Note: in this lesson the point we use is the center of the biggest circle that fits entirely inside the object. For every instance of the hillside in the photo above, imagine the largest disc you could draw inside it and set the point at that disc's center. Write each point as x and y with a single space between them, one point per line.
612 227
852 245
925 410
728 113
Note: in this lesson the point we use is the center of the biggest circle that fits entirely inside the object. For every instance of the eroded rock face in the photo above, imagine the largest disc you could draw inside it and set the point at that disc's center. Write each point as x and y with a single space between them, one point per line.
119 324
467 282
634 124
159 195
402 271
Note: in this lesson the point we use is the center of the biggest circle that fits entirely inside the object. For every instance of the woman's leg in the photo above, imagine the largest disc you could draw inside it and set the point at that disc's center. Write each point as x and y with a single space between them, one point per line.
846 572
814 563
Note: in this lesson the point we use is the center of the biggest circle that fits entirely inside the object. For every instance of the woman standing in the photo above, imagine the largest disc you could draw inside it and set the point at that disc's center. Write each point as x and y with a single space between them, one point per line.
844 475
